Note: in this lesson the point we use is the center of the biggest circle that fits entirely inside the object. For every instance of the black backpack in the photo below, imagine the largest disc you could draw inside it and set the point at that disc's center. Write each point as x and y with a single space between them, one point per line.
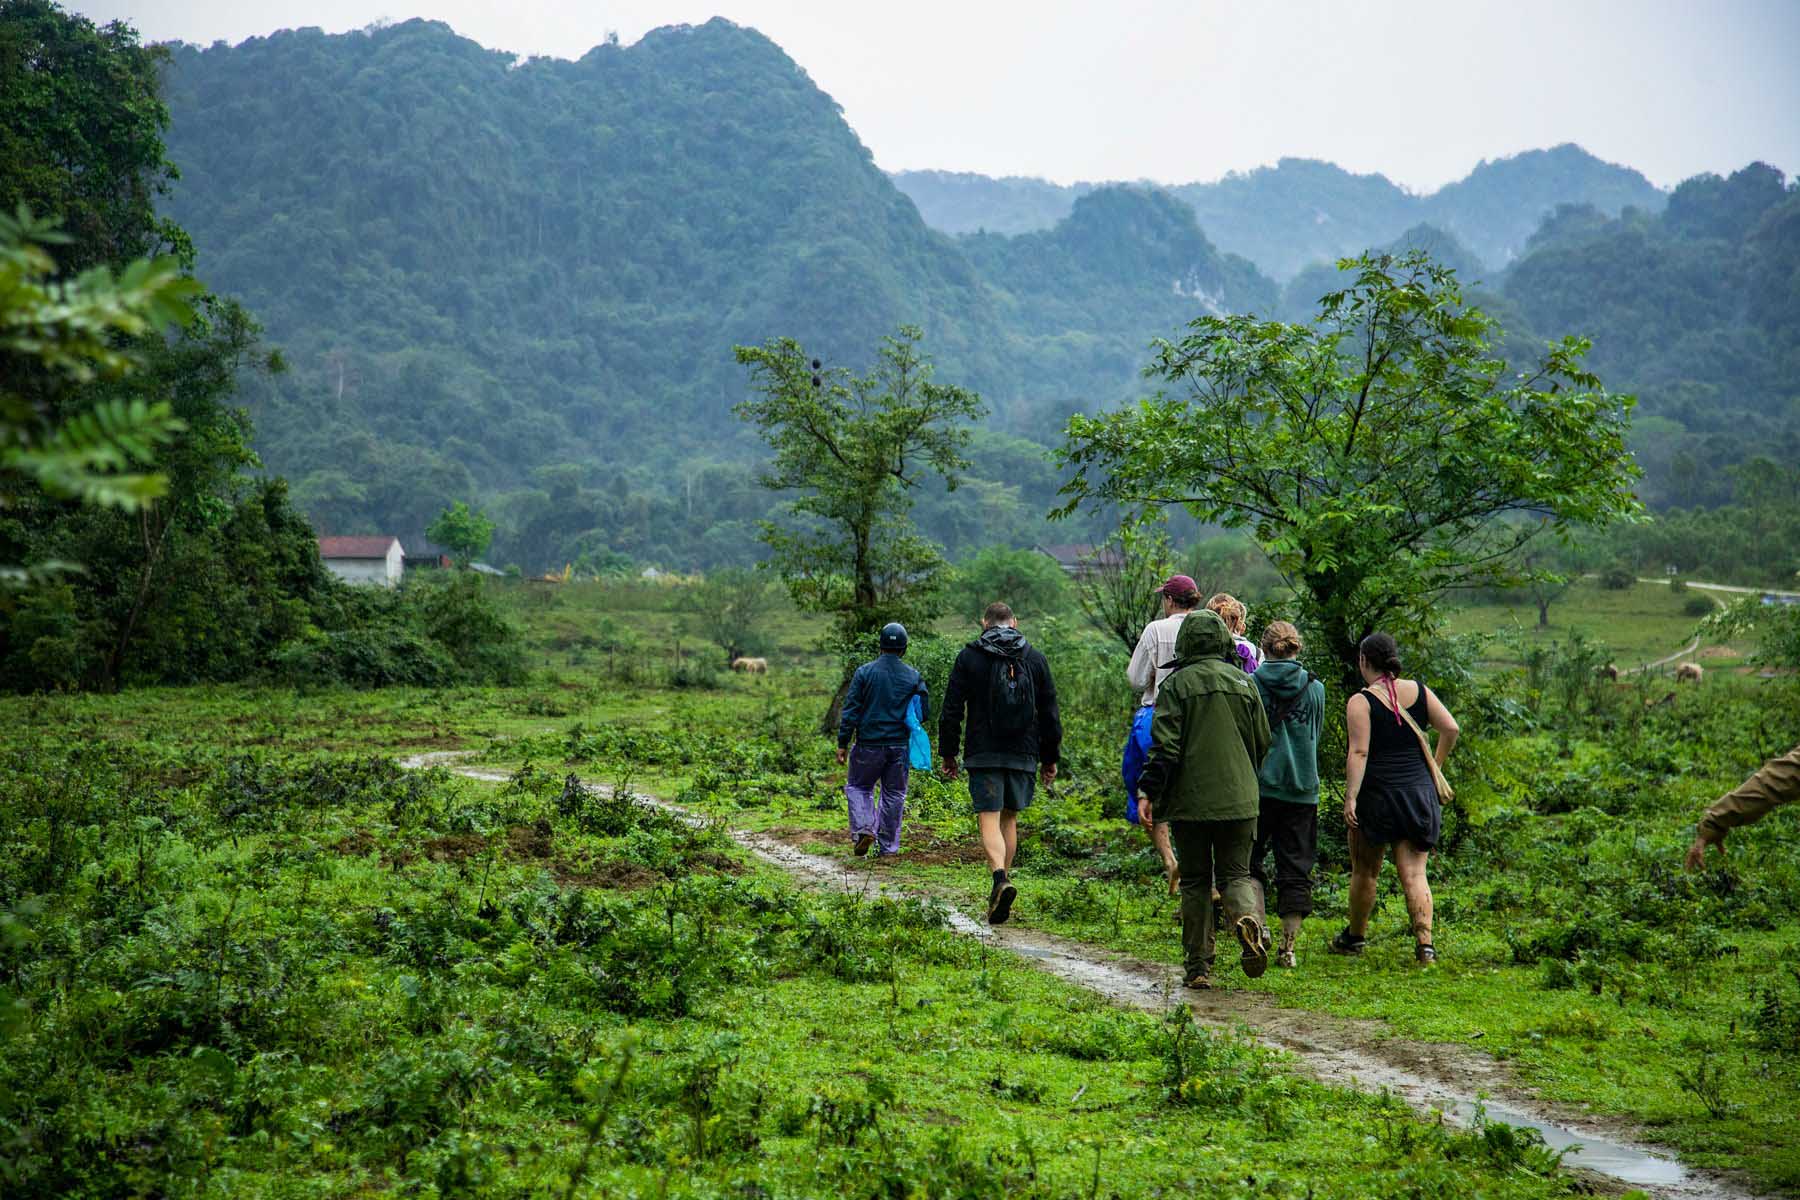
1012 696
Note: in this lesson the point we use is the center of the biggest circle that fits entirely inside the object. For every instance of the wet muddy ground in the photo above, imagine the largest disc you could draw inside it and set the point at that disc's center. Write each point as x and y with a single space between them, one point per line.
1450 1079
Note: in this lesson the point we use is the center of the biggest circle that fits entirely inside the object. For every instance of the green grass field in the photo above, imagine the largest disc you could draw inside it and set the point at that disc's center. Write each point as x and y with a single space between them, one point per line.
1638 625
246 956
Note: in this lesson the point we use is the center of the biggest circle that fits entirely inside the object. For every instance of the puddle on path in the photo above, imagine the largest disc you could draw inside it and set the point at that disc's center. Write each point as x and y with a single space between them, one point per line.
1446 1078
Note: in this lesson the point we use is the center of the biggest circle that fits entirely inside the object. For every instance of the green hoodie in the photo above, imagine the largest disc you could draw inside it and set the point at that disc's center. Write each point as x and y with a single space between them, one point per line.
1291 771
1209 734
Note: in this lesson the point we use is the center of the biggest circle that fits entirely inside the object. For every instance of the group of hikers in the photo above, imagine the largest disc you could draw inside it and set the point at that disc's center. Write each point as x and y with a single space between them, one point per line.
1220 768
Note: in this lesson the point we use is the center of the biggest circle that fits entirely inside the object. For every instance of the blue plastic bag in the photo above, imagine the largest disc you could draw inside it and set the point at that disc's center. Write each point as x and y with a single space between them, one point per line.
918 743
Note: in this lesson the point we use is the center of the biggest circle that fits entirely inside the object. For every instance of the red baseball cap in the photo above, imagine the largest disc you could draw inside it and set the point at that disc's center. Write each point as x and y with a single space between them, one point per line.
1179 585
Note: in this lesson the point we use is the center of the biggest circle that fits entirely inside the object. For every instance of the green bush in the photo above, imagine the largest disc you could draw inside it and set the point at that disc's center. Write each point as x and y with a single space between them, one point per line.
1618 579
367 658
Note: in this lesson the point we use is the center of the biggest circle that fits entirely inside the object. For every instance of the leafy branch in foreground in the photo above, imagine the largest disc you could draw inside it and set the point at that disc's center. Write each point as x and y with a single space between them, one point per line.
56 334
1379 455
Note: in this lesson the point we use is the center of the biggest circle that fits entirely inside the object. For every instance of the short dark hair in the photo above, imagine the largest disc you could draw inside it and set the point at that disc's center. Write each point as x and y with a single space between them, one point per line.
998 613
1382 651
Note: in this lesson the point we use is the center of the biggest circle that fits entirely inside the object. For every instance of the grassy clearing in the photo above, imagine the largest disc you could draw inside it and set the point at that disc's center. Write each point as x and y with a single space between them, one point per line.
293 976
1572 948
1639 624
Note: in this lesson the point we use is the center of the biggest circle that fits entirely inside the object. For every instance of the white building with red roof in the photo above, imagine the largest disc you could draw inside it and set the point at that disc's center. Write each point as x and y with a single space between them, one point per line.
378 560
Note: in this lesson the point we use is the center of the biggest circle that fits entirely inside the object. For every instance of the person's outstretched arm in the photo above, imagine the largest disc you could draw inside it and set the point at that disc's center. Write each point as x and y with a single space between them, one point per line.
1775 783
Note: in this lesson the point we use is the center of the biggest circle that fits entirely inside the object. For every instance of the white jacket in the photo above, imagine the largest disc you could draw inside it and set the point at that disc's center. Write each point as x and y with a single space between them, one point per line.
1156 646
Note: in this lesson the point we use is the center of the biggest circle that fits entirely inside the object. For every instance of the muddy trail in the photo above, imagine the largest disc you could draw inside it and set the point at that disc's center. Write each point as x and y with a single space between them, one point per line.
1454 1080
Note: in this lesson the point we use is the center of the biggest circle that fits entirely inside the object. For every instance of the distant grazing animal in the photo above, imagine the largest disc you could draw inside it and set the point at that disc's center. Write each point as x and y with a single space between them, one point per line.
1689 672
1609 671
751 666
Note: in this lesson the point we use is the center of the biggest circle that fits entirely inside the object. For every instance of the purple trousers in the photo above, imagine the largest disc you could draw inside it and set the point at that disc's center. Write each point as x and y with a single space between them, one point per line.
870 766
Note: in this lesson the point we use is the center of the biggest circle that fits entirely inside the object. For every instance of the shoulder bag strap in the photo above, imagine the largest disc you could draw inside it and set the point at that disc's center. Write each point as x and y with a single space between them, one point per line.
1445 792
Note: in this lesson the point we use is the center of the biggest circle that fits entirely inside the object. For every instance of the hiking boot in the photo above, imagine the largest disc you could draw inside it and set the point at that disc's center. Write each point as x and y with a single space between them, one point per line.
1346 943
1000 902
1255 940
863 842
1425 954
1200 981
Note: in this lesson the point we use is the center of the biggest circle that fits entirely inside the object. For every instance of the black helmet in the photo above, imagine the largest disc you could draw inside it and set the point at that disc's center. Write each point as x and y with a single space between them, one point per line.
893 637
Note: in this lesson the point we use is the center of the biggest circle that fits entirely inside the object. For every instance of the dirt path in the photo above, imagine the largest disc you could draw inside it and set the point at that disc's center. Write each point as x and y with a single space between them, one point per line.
1449 1078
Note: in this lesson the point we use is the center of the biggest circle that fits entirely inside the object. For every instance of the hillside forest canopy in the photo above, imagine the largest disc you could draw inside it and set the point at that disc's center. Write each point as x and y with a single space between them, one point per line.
516 283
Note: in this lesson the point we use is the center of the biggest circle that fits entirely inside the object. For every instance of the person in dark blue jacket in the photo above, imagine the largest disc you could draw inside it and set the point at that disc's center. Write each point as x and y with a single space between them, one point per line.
874 718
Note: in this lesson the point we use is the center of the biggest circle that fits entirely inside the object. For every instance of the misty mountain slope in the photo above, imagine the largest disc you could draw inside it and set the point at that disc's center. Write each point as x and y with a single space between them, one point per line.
965 202
1300 297
498 265
522 281
1302 211
1697 310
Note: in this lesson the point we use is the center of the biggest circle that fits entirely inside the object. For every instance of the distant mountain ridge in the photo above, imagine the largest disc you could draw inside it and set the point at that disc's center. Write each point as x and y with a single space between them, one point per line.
1302 212
519 282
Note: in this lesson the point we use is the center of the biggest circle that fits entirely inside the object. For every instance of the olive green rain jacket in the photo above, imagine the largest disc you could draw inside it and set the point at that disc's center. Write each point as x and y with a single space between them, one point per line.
1210 733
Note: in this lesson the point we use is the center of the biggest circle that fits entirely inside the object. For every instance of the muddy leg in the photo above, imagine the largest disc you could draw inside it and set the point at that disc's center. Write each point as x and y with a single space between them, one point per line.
1410 862
1365 867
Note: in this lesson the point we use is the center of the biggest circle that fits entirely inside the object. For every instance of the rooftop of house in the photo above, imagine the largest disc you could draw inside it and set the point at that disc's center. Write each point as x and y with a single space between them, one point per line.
357 547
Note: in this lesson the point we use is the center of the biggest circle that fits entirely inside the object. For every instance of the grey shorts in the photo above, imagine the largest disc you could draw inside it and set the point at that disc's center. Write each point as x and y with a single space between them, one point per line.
995 788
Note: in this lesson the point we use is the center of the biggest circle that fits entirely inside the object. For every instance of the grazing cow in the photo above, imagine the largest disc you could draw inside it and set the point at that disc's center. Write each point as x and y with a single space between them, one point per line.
1609 672
751 666
1689 672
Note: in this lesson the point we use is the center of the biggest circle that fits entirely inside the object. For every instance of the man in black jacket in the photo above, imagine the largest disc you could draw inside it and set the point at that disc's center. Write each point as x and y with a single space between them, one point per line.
1014 735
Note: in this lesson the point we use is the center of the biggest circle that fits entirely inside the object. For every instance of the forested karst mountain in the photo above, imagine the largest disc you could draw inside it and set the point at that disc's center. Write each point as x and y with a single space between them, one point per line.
1697 310
520 282
524 279
1302 211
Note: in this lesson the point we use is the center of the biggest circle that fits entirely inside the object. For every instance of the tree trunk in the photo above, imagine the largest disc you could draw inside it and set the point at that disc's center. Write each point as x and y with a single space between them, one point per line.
1543 606
834 712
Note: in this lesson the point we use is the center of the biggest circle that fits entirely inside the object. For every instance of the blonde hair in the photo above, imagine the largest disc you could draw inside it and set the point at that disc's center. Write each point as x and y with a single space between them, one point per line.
1231 610
1281 640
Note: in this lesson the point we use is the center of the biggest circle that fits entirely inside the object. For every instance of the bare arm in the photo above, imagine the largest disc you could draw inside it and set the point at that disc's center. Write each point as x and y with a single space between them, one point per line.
1443 722
1356 721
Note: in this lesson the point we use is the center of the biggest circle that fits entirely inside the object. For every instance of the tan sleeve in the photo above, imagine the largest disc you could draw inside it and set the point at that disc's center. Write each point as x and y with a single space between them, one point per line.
1141 671
1775 784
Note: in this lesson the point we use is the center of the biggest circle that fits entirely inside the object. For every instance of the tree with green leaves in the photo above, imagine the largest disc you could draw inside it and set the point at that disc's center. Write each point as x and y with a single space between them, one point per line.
62 334
1381 454
82 138
1029 581
852 450
465 532
1117 590
732 609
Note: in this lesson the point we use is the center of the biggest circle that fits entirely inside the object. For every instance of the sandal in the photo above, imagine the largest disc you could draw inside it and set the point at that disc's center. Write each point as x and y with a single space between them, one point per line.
1425 954
1346 943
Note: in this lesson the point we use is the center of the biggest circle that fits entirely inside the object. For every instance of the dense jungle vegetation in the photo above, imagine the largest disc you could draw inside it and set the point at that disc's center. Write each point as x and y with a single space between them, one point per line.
518 283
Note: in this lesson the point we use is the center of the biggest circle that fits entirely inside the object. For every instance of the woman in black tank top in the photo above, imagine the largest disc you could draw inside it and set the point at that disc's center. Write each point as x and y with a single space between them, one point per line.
1390 797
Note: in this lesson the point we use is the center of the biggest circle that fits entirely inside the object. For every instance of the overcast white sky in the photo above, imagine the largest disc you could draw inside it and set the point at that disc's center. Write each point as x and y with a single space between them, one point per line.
1179 90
